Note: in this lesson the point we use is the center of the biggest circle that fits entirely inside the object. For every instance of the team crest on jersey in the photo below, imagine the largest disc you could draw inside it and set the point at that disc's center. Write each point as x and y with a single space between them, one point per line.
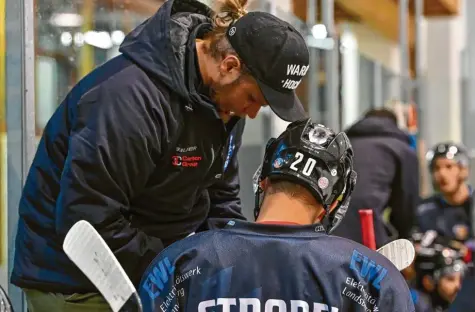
460 231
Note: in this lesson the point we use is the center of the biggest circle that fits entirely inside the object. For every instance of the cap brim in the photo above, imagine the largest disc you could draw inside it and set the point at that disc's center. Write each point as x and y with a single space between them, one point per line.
286 105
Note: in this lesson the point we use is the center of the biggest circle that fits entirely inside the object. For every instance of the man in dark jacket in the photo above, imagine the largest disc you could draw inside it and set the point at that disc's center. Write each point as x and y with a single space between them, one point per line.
144 147
388 176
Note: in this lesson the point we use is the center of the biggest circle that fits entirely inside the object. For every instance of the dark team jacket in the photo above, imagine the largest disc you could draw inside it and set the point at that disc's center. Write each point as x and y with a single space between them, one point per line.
137 150
258 267
387 168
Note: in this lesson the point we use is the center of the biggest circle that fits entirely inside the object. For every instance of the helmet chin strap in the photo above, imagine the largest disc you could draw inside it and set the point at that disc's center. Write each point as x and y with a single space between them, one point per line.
323 214
326 215
257 203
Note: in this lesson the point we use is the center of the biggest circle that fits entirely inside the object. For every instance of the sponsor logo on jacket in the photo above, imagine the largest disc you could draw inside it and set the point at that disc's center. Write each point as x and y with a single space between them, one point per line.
186 161
186 149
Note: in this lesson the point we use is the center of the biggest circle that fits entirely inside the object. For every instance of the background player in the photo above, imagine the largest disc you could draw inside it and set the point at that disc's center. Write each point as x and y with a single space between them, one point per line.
449 211
439 272
286 259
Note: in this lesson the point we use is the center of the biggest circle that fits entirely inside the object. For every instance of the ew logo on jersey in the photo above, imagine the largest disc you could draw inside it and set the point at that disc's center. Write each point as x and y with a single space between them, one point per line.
367 269
294 70
157 279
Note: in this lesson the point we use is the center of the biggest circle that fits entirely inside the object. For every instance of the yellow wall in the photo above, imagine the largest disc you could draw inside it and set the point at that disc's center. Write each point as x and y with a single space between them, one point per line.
87 51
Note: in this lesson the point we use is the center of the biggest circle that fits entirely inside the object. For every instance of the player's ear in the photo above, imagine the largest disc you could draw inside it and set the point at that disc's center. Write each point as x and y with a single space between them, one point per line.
428 283
264 184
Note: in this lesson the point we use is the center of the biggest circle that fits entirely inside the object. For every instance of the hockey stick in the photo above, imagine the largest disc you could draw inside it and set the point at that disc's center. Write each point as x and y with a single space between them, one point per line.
5 304
367 228
400 252
88 250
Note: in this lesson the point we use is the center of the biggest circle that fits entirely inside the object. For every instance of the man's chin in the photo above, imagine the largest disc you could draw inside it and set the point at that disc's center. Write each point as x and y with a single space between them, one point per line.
452 298
447 190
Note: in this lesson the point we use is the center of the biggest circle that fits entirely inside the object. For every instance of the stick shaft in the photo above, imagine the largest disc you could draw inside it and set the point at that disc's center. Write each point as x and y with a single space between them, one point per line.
367 228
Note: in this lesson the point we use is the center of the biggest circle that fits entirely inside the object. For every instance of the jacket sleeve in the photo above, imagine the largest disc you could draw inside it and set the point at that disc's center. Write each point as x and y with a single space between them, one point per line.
113 142
405 194
224 194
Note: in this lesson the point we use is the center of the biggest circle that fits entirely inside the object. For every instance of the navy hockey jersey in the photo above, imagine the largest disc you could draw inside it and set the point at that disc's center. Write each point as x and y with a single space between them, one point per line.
261 267
423 302
453 222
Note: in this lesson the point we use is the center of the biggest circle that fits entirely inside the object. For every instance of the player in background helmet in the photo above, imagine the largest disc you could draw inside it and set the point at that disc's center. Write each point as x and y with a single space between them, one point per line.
440 269
449 211
449 166
285 261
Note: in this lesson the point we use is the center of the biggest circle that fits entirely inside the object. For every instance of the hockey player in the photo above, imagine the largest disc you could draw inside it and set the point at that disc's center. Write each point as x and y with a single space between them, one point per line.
439 273
286 261
449 210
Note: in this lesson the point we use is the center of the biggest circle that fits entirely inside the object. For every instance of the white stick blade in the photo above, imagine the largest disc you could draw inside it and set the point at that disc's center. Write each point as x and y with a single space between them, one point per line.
88 250
400 252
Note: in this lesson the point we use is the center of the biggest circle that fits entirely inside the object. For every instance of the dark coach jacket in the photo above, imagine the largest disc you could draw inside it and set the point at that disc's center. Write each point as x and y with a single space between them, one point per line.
388 176
137 150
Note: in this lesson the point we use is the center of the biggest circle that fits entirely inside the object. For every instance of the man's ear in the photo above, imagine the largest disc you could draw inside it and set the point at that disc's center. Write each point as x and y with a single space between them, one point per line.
230 68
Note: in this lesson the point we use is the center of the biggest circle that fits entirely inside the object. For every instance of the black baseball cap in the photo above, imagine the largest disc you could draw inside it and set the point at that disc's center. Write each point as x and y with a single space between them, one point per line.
277 57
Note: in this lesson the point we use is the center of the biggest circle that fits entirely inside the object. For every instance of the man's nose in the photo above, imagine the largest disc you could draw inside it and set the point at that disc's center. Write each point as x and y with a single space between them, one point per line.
252 111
